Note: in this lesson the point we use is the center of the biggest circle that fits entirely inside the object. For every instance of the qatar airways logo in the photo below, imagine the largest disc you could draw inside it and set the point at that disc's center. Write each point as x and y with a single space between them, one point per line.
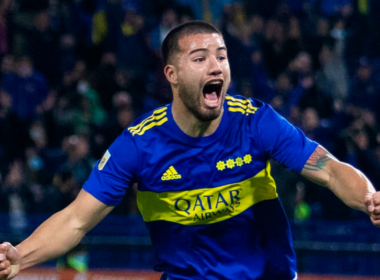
210 206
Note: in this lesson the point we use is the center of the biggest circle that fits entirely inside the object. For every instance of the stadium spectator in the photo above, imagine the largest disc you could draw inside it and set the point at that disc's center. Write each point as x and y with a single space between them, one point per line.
16 197
42 160
315 37
78 160
43 47
6 27
83 25
11 142
64 120
316 130
104 80
67 53
332 77
121 116
60 193
278 48
91 110
133 51
262 86
27 88
7 65
364 88
169 20
302 210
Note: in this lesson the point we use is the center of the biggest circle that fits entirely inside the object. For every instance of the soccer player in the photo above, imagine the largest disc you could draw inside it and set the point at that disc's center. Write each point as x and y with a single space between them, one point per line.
204 185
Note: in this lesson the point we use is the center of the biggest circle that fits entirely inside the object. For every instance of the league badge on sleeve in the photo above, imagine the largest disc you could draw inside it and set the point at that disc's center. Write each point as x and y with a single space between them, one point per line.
104 160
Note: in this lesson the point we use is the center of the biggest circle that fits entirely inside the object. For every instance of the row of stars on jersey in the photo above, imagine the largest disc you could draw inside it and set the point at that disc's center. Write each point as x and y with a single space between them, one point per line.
230 163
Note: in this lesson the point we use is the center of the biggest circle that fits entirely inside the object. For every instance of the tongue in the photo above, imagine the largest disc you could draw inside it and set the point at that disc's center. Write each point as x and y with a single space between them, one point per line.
211 96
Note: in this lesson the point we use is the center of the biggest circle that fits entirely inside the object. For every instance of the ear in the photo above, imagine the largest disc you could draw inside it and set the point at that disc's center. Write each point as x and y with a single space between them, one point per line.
170 72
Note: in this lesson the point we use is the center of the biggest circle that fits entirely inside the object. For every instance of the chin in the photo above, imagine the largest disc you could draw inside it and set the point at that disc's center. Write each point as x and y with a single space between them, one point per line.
209 114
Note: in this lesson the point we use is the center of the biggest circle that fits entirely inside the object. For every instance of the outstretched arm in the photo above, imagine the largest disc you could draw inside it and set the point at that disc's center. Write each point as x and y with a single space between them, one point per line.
346 182
56 236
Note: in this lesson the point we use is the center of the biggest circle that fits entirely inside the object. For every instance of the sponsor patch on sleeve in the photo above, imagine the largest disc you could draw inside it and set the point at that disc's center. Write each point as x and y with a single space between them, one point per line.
104 160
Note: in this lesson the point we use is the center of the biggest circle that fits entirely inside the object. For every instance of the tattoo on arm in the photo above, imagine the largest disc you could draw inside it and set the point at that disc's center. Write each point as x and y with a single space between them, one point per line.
318 159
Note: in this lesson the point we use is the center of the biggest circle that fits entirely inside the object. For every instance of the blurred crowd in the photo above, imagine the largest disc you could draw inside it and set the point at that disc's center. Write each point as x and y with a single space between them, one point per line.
75 73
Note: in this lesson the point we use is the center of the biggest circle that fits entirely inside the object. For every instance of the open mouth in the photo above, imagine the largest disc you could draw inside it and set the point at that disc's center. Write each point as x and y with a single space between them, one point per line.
211 92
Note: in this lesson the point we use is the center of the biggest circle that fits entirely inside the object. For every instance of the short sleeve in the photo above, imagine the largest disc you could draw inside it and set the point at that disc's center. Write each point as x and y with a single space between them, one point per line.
115 172
281 140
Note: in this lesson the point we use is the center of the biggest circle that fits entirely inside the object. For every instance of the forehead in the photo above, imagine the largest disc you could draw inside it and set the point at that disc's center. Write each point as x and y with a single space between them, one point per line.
208 41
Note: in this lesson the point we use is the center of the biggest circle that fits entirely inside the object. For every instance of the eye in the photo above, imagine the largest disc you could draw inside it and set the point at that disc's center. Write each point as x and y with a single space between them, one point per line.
199 59
222 57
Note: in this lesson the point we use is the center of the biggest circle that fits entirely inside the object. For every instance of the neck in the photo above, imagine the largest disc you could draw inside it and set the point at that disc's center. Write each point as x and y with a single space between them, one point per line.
190 124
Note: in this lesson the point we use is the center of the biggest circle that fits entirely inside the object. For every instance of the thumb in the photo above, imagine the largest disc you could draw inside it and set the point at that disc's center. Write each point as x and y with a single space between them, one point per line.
368 201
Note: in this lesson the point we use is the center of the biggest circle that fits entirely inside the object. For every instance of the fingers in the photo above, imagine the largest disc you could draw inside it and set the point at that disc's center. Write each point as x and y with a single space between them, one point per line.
8 259
4 247
9 252
372 202
5 274
369 203
5 267
3 260
4 264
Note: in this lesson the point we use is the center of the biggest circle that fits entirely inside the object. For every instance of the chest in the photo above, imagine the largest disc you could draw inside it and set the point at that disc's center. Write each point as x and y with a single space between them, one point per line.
170 165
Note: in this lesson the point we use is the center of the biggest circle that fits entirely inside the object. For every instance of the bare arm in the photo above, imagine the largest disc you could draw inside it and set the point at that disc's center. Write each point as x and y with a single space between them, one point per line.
59 234
346 182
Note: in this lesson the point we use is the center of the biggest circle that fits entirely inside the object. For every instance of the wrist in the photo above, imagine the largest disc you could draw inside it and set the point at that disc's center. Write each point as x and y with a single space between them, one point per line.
20 256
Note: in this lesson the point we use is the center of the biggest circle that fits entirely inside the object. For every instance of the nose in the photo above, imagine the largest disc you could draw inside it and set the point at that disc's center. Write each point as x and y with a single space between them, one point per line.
214 67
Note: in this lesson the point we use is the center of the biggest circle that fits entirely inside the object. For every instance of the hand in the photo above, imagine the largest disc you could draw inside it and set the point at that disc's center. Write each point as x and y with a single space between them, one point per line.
9 258
372 202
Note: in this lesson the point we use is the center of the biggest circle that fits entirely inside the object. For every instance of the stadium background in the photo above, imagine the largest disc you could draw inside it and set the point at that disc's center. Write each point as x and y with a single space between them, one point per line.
75 73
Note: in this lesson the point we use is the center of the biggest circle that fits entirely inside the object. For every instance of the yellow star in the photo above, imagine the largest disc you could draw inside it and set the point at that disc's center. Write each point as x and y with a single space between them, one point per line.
239 161
230 163
247 158
221 165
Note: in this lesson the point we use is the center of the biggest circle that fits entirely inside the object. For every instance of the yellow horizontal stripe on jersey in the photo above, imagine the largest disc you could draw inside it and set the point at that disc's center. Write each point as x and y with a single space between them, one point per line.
207 206
150 125
154 116
243 101
237 101
147 122
244 106
232 109
151 118
234 103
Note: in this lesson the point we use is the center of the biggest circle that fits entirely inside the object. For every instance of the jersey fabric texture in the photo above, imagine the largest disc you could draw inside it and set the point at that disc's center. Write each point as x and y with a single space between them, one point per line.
210 203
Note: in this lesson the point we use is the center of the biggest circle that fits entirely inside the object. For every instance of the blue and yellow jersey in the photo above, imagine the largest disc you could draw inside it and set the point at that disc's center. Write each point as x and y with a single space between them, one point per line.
210 203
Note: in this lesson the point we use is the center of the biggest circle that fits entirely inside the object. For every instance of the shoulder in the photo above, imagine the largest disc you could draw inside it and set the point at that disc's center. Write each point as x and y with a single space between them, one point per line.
246 110
253 113
243 105
149 122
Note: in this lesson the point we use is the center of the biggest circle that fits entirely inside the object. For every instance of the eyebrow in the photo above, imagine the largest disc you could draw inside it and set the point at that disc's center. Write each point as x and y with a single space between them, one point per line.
206 50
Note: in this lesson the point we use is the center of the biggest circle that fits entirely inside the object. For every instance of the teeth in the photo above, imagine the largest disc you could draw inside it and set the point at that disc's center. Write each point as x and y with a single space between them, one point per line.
211 101
214 83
